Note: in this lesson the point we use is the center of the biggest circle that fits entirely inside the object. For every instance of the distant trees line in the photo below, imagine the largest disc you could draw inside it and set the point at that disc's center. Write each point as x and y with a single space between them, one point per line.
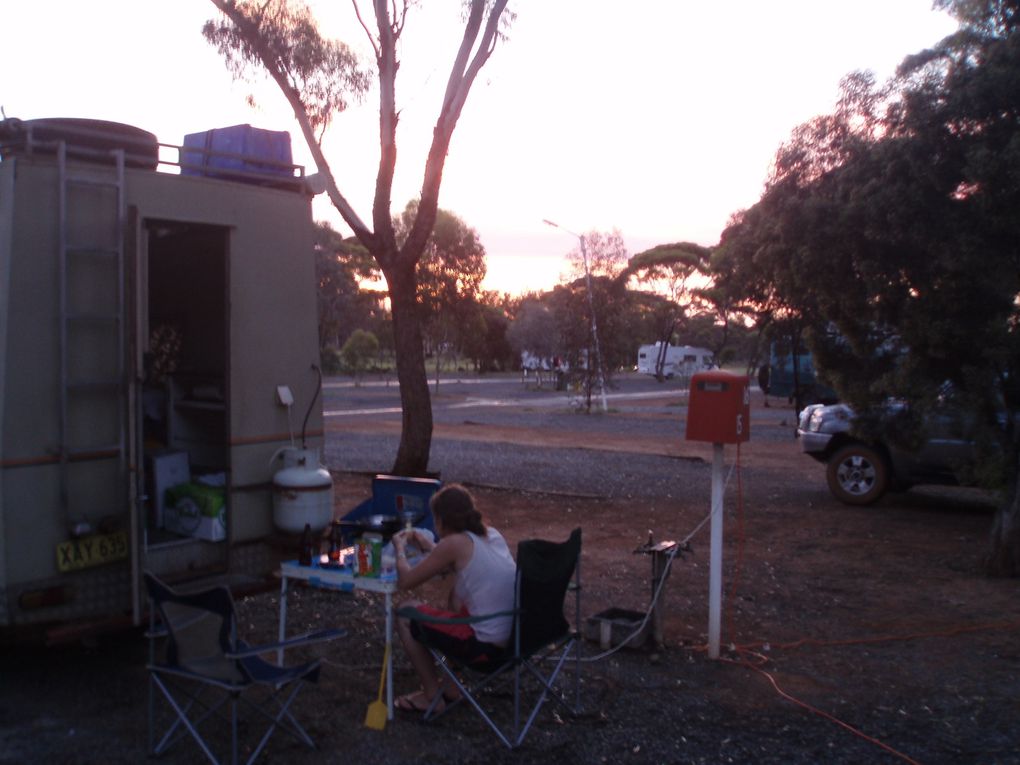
886 238
637 301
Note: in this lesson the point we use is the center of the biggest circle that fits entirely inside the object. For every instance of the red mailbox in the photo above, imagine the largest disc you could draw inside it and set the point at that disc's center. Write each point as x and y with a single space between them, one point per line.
719 408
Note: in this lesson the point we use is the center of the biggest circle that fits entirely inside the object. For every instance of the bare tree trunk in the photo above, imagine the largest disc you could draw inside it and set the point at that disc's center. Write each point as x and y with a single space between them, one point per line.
798 394
416 404
669 327
1004 554
481 33
660 359
665 336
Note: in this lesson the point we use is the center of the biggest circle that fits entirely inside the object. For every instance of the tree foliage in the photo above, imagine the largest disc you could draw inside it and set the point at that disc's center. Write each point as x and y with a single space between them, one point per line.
450 275
322 75
452 267
341 265
485 339
359 351
280 36
589 310
534 329
678 271
889 229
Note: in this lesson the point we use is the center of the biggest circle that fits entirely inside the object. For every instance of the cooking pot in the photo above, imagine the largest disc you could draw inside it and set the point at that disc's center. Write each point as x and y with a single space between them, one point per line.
386 525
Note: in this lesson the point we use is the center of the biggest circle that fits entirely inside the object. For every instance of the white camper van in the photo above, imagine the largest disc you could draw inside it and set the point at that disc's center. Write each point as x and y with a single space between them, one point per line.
157 316
677 359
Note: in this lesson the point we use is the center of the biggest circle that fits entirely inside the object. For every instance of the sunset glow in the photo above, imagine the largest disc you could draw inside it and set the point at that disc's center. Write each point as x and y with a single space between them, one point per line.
656 118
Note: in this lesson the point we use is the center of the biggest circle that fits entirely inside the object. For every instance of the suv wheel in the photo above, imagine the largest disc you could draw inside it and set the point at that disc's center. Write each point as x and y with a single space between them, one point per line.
857 475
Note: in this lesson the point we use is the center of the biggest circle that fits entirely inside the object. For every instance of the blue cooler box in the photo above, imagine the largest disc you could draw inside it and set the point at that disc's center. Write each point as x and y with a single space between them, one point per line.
239 153
414 494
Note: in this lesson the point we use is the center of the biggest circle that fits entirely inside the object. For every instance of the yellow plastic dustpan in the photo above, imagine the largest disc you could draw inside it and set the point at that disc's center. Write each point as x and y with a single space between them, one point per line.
377 712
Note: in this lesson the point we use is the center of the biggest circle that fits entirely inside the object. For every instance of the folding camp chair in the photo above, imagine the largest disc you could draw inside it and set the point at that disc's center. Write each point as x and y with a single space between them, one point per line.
202 656
546 571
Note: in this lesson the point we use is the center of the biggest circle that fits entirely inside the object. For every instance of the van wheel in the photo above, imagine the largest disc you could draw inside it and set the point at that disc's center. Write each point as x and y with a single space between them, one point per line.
857 475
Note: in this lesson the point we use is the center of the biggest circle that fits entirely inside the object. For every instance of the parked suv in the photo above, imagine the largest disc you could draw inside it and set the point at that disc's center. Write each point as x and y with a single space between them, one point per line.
860 471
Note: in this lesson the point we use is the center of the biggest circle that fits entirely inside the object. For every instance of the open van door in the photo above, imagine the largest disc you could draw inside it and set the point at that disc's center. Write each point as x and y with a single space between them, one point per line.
182 387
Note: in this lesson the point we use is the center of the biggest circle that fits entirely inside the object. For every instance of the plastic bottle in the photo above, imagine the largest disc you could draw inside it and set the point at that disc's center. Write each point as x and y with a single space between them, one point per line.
388 569
404 515
375 553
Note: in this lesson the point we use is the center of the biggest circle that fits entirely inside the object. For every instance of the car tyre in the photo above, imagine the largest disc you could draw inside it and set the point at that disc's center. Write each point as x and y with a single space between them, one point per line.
857 475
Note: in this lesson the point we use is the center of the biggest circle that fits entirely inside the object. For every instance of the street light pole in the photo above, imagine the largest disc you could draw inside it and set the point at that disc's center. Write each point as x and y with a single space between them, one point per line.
591 311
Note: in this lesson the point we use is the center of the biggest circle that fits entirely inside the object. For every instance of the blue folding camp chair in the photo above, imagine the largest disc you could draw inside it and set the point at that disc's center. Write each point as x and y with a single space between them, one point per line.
202 656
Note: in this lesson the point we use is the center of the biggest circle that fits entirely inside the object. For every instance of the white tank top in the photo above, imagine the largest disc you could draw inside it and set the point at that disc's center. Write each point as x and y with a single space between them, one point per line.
486 585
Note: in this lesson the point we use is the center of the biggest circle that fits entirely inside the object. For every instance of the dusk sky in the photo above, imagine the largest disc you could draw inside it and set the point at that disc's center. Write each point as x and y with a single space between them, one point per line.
656 118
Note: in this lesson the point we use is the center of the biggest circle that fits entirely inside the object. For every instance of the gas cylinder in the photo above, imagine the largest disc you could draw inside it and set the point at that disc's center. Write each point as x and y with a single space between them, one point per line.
302 492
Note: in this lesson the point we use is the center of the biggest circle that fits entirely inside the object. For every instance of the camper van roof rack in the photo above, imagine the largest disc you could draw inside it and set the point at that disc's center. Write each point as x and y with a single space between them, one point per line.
95 141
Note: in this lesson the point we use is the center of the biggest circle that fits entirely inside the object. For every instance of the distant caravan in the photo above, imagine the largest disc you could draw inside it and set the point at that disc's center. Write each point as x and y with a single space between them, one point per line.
677 360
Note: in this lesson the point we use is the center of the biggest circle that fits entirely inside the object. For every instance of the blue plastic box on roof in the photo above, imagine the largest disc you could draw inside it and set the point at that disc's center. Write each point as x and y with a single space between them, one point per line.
239 153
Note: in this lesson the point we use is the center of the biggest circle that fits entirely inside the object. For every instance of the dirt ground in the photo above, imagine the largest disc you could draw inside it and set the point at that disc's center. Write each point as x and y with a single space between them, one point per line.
849 634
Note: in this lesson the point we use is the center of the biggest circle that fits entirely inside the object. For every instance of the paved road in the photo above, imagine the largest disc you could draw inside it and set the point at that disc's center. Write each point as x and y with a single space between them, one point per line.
506 402
381 397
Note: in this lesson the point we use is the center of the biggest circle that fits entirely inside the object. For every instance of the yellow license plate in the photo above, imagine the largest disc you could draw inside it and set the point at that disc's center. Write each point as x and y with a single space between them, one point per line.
91 551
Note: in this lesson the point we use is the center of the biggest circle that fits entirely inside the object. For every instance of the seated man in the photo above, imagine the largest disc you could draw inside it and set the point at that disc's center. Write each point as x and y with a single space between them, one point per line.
484 573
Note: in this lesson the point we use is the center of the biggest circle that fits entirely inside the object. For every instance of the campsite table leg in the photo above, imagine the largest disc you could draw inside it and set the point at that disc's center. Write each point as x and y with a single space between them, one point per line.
389 656
346 582
283 618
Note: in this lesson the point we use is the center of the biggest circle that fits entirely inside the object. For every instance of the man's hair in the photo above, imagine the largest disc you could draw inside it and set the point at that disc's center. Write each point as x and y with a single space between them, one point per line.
455 508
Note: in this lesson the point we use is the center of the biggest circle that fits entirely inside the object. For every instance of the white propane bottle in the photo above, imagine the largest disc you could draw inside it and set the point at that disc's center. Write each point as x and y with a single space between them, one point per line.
302 492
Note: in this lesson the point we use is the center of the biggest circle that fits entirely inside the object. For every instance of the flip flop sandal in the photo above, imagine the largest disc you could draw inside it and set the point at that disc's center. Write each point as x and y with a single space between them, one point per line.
415 702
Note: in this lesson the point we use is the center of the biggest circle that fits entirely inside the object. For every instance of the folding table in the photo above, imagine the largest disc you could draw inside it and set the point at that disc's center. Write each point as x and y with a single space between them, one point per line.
342 579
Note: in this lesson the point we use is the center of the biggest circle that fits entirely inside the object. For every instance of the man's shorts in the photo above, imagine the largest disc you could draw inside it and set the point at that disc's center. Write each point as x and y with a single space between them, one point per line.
455 640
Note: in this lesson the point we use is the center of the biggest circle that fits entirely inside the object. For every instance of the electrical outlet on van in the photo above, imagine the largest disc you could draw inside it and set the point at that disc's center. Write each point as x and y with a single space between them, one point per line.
284 396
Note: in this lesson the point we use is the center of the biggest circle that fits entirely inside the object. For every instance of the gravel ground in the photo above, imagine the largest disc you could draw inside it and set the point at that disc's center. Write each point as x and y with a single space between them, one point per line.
508 403
810 569
569 471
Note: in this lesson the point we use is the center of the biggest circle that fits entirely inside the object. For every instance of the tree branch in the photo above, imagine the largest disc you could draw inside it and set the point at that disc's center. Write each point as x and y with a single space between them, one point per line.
381 214
368 32
462 77
249 30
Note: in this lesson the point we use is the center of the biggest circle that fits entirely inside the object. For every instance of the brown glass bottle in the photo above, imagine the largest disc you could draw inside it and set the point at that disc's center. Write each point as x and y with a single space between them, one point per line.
305 554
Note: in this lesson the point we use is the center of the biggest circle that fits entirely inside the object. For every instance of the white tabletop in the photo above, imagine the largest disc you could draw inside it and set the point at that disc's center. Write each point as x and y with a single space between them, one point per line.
336 577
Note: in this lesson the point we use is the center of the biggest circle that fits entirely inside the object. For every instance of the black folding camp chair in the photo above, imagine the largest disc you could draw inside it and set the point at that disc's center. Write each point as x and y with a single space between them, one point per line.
542 638
202 656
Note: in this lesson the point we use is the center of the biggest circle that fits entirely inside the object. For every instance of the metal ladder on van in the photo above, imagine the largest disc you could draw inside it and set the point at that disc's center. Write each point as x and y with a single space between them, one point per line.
92 345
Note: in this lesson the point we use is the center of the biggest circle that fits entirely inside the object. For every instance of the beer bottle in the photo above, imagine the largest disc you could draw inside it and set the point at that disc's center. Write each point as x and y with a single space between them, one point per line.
335 543
305 554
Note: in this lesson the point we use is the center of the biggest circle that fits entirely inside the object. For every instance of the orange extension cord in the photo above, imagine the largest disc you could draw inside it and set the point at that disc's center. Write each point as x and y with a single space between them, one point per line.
746 651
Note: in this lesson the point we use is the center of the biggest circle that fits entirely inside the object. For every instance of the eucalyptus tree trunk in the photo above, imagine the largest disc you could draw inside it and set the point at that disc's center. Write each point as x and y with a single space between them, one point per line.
1004 554
665 338
415 402
283 42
